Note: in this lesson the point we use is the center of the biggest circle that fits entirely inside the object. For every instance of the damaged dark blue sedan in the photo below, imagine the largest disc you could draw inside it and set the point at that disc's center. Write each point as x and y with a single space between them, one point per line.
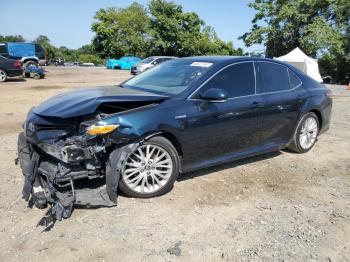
180 116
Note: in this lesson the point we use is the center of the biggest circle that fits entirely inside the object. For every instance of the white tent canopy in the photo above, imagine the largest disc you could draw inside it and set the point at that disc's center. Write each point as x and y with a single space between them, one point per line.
305 63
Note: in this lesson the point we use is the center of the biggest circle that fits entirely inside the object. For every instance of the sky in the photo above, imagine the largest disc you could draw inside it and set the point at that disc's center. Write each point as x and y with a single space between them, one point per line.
67 22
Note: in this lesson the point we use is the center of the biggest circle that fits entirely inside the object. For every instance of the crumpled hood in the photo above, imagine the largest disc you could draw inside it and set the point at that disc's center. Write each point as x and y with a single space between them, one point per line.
86 101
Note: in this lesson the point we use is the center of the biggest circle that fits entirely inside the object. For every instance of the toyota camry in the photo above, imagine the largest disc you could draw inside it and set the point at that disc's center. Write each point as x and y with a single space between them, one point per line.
180 116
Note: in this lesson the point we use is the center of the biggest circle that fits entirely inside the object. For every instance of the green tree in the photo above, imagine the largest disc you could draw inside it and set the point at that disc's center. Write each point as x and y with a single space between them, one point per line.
319 27
86 49
88 58
44 41
283 25
121 31
175 32
163 29
11 38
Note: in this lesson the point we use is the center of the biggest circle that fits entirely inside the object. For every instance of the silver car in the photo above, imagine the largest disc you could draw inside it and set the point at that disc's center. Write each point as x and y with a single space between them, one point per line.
149 62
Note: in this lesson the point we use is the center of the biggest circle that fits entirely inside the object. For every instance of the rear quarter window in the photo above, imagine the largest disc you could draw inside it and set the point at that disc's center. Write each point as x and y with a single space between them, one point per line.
294 80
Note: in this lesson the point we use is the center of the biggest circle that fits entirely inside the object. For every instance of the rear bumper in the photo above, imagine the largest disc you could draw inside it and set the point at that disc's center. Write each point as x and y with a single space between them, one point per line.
42 62
14 72
134 71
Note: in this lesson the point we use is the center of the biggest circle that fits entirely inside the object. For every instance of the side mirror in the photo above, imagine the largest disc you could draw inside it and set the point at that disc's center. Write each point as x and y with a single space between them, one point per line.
215 95
154 63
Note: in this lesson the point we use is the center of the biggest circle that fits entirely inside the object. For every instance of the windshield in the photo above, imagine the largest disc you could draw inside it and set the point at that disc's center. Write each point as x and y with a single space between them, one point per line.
172 77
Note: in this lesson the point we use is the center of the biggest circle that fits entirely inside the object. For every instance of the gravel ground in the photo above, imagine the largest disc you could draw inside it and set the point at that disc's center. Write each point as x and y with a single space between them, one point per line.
276 207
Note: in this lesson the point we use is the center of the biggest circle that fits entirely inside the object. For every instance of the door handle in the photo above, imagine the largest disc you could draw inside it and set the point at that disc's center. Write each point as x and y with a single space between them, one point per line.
229 115
301 97
257 104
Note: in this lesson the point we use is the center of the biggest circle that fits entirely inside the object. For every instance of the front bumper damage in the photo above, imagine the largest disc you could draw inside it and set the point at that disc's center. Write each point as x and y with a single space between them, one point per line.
59 174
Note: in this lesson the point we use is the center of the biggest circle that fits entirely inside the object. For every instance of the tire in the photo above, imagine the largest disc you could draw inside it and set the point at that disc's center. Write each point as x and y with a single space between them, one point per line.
37 76
3 75
300 145
149 187
30 62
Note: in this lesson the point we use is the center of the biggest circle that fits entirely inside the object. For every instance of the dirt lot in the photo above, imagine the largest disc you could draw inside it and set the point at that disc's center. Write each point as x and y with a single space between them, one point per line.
277 207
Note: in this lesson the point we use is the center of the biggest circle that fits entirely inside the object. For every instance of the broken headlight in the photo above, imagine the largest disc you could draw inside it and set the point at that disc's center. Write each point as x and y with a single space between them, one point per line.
100 128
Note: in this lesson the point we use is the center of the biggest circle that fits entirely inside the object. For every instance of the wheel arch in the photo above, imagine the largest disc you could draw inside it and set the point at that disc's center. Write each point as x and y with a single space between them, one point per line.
319 116
25 60
172 138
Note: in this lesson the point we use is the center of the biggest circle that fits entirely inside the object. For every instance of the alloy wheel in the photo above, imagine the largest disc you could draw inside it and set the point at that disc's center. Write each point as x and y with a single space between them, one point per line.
147 169
308 133
2 76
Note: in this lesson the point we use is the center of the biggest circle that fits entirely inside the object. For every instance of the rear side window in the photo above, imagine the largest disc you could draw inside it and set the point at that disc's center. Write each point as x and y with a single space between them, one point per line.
38 48
238 80
274 77
294 80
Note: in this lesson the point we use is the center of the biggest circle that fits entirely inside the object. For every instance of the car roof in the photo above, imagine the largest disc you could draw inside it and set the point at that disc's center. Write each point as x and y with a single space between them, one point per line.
159 56
226 60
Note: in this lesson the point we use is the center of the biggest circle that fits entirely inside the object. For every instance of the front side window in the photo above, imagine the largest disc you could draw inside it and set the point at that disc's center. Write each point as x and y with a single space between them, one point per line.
274 77
238 80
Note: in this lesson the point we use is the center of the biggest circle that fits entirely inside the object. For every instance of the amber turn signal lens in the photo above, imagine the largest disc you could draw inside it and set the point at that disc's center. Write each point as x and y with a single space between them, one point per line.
100 130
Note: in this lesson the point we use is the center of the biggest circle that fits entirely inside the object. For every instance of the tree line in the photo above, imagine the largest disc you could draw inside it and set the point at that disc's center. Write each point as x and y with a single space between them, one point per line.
321 28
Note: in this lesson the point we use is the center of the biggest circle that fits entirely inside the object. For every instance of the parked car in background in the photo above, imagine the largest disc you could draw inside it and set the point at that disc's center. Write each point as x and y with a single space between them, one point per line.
124 63
180 116
87 64
27 53
57 62
148 63
9 68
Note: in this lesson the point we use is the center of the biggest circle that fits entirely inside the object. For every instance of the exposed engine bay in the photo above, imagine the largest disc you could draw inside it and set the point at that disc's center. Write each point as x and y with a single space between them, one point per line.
59 158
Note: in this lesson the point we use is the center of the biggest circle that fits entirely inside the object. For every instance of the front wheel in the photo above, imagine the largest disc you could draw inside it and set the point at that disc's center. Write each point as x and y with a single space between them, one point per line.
305 134
150 170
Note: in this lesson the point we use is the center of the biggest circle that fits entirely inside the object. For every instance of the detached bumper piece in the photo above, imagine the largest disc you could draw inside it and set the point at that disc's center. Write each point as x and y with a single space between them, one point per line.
51 171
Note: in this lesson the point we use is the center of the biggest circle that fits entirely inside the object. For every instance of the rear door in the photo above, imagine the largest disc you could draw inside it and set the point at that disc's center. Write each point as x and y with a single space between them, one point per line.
282 92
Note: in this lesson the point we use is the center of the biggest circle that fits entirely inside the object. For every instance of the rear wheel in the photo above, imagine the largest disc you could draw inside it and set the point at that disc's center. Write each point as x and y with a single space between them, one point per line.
306 133
3 75
150 170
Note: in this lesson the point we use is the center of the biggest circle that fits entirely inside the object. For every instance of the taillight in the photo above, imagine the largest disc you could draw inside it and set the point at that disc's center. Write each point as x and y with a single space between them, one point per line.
17 64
